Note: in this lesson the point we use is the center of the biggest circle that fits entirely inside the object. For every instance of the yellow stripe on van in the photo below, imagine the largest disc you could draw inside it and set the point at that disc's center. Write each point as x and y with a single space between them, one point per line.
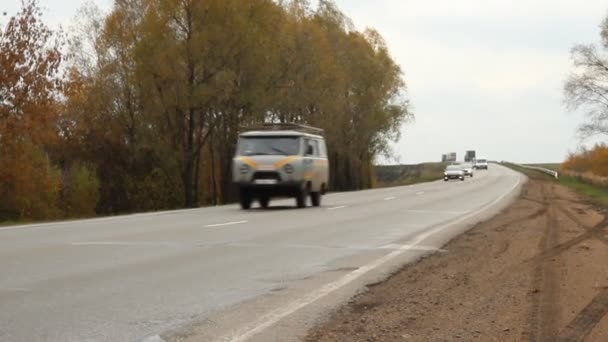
249 162
285 161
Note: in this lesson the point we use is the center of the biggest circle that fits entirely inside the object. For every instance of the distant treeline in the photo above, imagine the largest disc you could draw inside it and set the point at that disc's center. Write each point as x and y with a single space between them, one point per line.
139 109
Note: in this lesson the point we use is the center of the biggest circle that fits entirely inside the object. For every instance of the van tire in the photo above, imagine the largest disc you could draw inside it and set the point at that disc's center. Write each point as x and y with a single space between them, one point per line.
264 202
301 198
315 198
245 199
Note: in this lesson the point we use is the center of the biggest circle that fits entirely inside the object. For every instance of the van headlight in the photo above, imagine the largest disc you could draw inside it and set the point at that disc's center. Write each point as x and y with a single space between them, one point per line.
288 168
244 169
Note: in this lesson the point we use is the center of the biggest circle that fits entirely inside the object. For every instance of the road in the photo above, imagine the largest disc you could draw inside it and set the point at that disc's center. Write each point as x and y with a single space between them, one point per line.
225 274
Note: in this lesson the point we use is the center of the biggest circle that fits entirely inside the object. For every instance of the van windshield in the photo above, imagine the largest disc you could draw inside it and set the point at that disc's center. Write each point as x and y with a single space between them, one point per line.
269 145
481 160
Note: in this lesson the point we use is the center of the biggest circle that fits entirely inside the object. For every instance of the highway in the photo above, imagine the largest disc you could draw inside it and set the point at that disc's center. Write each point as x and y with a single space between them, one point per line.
225 274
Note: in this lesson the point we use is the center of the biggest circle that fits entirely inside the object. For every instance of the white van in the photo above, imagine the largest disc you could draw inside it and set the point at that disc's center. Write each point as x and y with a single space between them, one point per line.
281 160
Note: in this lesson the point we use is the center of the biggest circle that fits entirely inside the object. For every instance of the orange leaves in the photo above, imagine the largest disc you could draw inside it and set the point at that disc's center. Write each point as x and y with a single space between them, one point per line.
594 160
29 81
29 88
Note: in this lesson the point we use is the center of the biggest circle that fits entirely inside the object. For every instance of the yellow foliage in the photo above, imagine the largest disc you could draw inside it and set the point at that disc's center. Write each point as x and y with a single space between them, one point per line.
594 160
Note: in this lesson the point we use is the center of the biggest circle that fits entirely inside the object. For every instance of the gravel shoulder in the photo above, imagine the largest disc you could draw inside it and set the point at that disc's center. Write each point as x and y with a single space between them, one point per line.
536 272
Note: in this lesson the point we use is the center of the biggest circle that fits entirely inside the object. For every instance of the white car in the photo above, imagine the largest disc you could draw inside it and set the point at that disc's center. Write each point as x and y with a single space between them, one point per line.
481 164
453 172
468 169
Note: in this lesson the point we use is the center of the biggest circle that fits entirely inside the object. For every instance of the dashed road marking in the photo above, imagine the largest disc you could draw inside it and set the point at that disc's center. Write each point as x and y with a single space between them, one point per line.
390 198
226 224
336 208
420 193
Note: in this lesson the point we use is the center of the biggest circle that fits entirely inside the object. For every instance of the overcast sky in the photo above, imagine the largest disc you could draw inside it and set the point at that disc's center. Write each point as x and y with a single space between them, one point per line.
482 74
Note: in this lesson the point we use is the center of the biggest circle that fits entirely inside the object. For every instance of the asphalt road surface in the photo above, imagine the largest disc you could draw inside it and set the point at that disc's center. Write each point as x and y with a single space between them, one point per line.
222 273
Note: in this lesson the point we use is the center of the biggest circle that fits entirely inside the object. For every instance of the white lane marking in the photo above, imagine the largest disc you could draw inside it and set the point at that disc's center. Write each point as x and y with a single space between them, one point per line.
126 243
226 224
103 243
420 193
390 198
336 208
269 319
437 212
155 338
412 247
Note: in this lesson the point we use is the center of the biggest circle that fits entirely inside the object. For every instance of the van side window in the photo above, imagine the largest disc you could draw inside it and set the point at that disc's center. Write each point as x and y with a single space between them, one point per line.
310 147
315 146
322 149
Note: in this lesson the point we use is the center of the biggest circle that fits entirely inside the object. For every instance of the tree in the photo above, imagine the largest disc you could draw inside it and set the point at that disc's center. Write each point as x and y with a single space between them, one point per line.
30 85
587 86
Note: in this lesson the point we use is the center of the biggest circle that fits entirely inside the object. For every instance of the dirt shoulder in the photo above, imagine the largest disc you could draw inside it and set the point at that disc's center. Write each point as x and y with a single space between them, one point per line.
536 272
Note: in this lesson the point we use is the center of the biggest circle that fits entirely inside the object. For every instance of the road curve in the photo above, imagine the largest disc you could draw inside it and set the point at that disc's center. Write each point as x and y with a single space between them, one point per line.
225 274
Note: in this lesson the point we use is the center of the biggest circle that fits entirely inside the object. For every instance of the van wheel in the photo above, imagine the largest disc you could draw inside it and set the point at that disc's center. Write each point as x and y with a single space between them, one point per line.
301 198
462 178
264 201
315 198
245 199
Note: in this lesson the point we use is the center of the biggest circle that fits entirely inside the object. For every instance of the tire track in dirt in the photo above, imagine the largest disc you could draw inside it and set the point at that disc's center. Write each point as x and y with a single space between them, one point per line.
544 311
587 319
597 230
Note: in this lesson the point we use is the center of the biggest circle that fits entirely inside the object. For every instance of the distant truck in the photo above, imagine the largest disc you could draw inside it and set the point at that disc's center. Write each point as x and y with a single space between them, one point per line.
469 156
450 157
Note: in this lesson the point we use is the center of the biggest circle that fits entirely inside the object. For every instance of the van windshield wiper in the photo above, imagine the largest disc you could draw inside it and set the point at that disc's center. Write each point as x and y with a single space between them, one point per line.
280 151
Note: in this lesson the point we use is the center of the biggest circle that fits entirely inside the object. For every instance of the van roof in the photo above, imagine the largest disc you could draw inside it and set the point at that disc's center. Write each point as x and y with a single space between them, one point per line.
279 133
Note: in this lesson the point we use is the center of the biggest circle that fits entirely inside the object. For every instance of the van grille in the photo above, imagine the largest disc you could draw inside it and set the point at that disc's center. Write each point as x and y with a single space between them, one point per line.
267 175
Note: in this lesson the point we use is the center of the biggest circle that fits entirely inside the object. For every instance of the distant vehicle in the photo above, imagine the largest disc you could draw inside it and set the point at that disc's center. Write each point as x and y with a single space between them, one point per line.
468 169
469 156
281 160
481 164
453 172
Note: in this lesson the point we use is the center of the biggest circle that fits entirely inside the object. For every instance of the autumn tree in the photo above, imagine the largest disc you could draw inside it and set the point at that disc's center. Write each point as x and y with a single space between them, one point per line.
30 85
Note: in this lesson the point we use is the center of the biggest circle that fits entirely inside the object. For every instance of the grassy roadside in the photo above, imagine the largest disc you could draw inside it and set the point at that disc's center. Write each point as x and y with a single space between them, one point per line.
596 193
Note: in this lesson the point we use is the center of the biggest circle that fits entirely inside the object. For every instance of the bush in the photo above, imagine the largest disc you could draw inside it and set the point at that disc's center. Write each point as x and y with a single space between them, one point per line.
81 191
29 184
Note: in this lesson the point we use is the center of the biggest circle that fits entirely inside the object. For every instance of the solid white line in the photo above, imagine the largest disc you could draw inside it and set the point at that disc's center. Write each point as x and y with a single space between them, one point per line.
276 315
390 198
225 224
437 212
336 208
412 247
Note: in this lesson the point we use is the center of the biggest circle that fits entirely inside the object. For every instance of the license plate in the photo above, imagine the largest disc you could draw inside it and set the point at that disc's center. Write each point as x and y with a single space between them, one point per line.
266 181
